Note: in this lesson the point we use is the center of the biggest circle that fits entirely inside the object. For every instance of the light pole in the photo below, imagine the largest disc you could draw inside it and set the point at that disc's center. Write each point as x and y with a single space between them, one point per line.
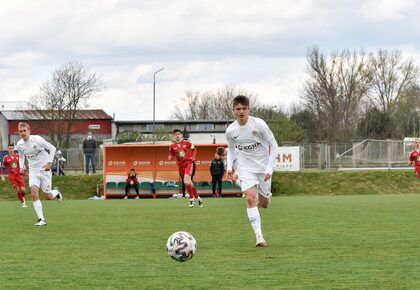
154 101
271 111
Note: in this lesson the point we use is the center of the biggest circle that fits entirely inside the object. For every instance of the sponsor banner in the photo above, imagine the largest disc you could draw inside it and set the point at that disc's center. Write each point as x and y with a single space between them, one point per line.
288 159
148 157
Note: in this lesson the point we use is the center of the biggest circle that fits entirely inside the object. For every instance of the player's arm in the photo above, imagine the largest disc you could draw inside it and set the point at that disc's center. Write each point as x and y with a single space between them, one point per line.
193 152
22 165
230 156
171 154
272 143
51 149
410 160
3 167
271 159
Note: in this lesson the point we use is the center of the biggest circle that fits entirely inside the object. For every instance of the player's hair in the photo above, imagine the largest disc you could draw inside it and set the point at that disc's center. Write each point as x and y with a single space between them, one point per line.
23 124
132 169
11 145
175 131
220 151
244 101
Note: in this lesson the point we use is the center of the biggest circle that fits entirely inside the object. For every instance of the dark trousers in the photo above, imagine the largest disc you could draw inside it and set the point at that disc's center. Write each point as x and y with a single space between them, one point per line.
90 158
216 180
135 185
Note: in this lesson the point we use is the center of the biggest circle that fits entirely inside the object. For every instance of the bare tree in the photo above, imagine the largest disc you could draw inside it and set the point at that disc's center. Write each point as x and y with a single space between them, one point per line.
334 90
391 76
210 105
68 90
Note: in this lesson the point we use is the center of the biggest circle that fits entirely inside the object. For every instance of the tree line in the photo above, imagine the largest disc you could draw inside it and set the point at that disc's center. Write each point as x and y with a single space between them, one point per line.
347 95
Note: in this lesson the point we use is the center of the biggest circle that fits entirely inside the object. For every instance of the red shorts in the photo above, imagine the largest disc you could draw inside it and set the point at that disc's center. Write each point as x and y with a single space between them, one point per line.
187 169
17 180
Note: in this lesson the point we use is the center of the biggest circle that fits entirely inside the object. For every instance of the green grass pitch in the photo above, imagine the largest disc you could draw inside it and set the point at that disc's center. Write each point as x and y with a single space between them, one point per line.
315 242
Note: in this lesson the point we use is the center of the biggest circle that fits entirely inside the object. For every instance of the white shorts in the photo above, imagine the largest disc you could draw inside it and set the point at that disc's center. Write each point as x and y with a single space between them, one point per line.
41 179
249 180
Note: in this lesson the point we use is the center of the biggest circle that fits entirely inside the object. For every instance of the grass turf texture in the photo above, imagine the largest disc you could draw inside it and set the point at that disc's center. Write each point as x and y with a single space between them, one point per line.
287 183
315 242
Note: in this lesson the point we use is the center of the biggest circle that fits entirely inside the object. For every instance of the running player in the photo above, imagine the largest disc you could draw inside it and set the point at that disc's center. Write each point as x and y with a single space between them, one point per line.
34 147
11 162
185 153
256 152
415 157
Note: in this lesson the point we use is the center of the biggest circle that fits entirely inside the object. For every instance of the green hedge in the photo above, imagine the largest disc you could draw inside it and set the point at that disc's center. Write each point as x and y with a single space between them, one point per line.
287 183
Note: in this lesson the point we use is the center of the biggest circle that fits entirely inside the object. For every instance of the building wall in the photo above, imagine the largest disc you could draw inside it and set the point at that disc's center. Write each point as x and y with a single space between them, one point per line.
80 129
79 126
76 139
4 132
208 138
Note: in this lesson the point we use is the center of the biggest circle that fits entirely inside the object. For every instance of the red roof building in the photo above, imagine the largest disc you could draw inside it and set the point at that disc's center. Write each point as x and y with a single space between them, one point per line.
96 121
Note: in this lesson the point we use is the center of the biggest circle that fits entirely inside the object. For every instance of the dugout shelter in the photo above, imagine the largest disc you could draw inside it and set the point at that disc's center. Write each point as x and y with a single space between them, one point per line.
157 175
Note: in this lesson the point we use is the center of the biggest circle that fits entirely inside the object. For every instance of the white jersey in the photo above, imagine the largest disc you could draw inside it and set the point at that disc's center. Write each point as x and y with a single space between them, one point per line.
34 149
255 144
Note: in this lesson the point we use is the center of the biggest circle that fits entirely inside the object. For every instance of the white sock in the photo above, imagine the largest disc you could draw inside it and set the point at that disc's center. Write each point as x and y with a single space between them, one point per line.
254 219
54 192
38 209
192 199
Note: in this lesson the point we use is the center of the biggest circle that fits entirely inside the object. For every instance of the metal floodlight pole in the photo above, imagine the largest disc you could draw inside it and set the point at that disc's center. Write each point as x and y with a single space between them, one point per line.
154 101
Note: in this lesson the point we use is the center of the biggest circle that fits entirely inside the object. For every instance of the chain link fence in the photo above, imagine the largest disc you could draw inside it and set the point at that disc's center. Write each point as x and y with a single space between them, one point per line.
75 159
366 154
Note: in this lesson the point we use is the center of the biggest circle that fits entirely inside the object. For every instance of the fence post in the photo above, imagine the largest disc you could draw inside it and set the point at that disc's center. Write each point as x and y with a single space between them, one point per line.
321 156
389 153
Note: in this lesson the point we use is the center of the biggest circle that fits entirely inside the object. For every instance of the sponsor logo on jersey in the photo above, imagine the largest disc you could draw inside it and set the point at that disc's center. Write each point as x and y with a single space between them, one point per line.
33 155
250 147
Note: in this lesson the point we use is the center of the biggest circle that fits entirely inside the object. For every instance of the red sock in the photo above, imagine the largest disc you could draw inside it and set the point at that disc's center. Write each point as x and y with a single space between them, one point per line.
196 193
20 196
191 190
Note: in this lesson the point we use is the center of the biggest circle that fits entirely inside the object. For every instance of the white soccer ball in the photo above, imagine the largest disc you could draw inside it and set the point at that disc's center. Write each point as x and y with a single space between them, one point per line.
181 246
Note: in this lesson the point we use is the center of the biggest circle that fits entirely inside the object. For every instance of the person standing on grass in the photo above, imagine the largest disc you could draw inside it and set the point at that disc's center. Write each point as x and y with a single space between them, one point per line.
40 155
89 149
132 181
415 157
217 170
185 153
256 152
11 162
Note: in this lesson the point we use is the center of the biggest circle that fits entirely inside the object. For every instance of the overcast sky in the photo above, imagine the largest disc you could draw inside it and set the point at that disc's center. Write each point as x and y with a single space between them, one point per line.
259 46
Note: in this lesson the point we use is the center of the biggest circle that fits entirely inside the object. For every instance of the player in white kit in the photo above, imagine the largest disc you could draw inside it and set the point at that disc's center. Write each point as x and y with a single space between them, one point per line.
256 149
34 147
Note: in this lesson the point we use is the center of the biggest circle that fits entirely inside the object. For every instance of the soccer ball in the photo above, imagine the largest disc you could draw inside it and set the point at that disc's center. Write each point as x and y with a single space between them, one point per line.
181 246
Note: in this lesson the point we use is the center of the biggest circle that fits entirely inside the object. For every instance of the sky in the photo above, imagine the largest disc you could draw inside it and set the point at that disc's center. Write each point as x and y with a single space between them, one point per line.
257 46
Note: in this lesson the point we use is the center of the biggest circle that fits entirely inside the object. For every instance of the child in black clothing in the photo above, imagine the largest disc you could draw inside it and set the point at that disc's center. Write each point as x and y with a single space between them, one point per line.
217 170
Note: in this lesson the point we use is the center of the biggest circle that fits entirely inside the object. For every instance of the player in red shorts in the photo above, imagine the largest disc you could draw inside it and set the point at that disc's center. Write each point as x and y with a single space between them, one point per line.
11 161
185 153
415 157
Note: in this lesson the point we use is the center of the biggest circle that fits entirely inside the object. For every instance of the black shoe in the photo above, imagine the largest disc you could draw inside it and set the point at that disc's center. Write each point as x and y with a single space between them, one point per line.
200 203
